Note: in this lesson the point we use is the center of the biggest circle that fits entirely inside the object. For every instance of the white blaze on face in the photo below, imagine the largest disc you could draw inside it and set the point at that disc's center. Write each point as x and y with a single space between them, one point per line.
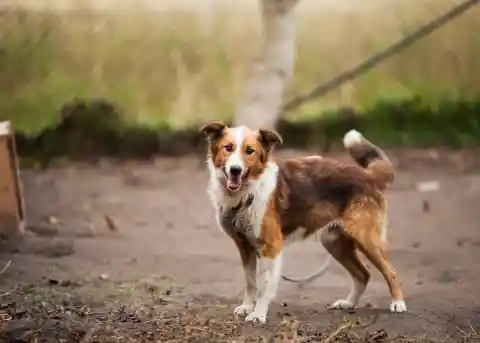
235 161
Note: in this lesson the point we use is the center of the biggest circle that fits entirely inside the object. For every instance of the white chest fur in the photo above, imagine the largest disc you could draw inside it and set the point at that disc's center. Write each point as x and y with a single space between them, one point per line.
261 189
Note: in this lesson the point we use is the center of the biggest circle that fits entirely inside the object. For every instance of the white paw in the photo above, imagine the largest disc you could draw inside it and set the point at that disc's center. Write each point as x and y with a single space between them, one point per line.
257 317
398 306
243 310
342 304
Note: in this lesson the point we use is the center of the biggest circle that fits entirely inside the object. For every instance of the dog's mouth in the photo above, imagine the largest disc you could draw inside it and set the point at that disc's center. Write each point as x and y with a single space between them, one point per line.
235 182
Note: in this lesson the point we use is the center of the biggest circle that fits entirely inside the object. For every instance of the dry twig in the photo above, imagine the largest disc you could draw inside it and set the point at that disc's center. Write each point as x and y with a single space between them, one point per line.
6 267
348 326
111 224
3 271
89 334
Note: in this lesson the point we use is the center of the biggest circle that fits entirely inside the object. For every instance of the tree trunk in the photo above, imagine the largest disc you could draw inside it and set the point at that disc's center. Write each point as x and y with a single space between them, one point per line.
260 105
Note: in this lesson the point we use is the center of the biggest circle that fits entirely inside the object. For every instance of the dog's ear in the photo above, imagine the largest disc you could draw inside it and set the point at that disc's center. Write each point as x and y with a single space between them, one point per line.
269 138
214 130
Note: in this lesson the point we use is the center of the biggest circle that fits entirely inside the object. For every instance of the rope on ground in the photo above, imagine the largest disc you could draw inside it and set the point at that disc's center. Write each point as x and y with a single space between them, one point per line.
4 269
307 279
376 59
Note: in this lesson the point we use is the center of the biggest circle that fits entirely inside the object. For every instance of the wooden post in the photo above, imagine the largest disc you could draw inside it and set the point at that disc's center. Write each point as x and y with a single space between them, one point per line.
12 213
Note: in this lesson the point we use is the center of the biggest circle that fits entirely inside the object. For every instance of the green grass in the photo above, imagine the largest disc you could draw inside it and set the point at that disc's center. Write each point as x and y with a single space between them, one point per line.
168 69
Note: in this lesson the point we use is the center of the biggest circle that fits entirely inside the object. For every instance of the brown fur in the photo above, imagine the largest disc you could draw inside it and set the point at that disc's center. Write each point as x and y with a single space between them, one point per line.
271 236
313 192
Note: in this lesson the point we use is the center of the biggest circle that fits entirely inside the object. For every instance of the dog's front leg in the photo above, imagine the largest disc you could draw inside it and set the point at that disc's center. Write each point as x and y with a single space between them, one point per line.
249 262
270 264
268 278
231 221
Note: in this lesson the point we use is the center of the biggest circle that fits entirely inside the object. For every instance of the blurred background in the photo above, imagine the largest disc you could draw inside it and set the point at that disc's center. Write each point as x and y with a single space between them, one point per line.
172 64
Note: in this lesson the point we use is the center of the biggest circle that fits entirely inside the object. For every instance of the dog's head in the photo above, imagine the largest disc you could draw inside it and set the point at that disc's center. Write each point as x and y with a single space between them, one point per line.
239 153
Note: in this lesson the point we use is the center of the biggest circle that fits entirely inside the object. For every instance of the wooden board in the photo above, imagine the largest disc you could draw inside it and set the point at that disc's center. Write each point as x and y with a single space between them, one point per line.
12 215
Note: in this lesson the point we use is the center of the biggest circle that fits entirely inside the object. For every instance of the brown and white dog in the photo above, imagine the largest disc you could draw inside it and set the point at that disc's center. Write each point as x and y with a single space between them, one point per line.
293 199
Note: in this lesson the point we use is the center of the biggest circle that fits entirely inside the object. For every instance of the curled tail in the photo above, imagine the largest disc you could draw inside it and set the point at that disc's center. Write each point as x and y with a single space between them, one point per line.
370 157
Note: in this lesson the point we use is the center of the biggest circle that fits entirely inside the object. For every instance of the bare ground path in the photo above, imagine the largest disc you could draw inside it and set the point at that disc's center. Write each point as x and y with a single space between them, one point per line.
164 237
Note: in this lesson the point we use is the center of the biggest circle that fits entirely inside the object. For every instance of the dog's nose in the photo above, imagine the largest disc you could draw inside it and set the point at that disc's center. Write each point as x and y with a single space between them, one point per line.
235 170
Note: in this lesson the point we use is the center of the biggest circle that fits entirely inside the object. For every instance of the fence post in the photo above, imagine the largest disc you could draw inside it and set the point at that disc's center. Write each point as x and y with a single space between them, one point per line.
12 209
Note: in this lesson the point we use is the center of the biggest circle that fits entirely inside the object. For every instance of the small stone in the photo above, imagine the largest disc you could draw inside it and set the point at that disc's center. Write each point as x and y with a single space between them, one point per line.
104 276
66 283
51 220
57 249
53 282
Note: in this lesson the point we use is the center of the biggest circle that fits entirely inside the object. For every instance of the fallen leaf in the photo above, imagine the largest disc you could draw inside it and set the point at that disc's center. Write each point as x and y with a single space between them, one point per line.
428 186
426 206
111 224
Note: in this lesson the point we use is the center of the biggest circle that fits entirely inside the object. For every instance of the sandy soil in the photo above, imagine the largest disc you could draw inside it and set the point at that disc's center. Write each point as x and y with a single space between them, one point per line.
160 232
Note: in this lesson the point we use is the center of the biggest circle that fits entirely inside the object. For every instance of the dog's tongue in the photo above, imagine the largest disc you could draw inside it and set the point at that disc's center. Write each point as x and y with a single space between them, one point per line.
233 182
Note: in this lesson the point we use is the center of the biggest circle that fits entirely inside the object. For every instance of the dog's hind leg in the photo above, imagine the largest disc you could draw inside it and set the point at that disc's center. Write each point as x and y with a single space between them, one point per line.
344 250
365 228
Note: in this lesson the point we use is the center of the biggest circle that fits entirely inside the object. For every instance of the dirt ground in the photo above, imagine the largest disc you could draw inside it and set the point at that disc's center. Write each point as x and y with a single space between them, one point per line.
138 241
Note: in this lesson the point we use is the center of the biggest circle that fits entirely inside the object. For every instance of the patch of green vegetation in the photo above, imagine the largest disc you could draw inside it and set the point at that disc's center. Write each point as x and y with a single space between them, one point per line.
93 129
390 123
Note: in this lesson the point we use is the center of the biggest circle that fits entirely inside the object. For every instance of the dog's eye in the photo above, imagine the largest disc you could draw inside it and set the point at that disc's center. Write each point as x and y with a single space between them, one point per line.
249 151
228 147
